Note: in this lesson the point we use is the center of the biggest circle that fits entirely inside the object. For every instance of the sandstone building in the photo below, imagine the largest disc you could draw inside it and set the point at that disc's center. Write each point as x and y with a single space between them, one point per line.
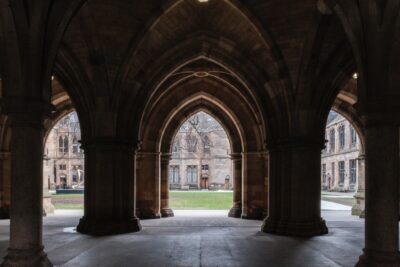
63 163
339 164
269 71
200 155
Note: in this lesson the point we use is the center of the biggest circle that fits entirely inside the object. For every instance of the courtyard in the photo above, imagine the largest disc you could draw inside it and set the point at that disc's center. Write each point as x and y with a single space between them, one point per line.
207 200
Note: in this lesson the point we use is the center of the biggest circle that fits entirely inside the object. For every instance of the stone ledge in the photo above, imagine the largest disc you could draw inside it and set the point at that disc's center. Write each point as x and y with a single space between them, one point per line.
100 228
302 229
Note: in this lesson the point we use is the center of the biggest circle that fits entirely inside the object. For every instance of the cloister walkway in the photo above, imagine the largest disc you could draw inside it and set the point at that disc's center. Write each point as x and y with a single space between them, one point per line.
194 239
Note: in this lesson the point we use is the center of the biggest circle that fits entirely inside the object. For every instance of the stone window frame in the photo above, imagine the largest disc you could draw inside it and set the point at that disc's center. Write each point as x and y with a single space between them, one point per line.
192 174
323 173
332 140
353 137
63 144
353 171
342 136
342 172
173 171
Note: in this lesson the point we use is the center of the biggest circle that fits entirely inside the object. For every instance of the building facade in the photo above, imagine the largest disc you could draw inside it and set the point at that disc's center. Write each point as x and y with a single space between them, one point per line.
63 161
200 155
339 162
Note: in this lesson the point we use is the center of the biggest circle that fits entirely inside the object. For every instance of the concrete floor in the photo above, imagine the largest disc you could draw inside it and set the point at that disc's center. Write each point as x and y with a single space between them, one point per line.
198 239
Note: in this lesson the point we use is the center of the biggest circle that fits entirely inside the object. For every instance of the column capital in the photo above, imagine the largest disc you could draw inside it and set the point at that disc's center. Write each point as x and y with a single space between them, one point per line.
166 157
147 153
26 111
236 156
379 119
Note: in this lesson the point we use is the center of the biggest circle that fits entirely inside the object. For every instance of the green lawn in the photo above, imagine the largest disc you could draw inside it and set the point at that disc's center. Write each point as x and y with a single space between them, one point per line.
63 196
67 201
200 200
206 200
68 206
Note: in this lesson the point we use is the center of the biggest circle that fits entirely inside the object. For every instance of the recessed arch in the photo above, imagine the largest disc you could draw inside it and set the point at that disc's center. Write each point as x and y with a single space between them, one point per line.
197 104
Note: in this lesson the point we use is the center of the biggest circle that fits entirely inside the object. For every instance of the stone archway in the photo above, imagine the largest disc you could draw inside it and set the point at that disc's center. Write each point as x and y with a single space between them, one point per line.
156 142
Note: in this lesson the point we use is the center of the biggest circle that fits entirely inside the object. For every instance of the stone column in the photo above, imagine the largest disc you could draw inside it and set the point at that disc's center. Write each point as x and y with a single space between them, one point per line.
26 246
295 188
148 185
166 211
381 196
253 185
5 180
236 210
359 205
109 187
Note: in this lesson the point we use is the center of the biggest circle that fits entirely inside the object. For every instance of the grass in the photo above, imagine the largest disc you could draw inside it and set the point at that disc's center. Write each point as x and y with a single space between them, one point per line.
69 206
67 201
63 196
202 200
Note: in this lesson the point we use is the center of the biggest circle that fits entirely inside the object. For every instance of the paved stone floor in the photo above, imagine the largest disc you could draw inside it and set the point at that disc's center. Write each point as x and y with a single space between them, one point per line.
199 239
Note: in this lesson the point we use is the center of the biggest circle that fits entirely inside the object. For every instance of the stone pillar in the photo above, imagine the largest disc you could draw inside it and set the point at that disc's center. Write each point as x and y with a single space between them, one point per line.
109 188
166 211
253 186
359 205
5 187
236 210
26 246
295 189
148 185
381 196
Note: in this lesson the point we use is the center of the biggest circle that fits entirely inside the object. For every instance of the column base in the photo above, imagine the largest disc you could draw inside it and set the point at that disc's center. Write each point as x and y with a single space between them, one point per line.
355 211
379 259
359 205
362 214
26 258
235 212
167 212
4 213
145 214
108 227
253 214
48 207
302 229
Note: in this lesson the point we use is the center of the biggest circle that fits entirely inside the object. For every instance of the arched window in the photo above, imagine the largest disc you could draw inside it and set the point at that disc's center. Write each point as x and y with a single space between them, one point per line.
353 137
75 145
191 143
332 140
174 174
192 174
342 140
